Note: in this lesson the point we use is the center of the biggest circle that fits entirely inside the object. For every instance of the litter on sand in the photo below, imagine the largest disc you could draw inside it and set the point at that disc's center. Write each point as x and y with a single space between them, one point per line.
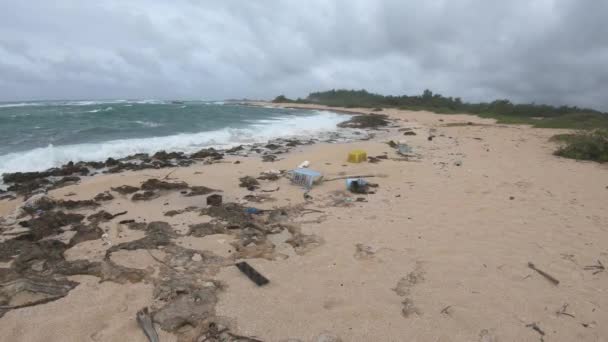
306 177
357 156
252 274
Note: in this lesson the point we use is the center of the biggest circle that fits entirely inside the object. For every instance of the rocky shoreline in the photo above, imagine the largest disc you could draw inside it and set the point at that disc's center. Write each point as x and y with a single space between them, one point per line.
29 183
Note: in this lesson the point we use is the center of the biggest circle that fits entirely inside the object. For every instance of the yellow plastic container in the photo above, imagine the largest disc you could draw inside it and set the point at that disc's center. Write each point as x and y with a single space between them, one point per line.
357 156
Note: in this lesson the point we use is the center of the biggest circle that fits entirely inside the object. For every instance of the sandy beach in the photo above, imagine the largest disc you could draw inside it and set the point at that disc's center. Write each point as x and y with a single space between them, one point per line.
440 251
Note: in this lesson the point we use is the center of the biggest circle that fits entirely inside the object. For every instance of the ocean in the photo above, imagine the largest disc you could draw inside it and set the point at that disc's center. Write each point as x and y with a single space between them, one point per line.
35 136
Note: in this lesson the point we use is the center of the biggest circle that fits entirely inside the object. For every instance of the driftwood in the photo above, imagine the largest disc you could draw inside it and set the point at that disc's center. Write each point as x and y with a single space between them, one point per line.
596 268
544 274
145 323
345 177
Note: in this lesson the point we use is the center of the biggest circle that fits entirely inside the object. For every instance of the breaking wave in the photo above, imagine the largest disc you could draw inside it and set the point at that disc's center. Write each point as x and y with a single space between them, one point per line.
258 131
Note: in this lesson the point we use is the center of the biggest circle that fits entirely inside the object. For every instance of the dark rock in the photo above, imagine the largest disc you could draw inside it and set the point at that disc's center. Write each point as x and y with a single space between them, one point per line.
101 216
409 133
235 149
49 223
366 121
208 228
214 200
207 153
145 196
272 146
125 189
111 162
65 181
430 138
157 234
155 184
22 177
28 187
248 182
85 233
104 196
72 204
162 155
199 191
392 144
269 158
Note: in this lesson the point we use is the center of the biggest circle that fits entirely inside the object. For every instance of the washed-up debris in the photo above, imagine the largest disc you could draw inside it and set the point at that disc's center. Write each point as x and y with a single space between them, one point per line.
544 274
305 177
214 200
145 323
357 156
304 164
409 133
252 274
126 221
458 163
392 144
563 311
126 189
249 182
596 268
359 186
536 328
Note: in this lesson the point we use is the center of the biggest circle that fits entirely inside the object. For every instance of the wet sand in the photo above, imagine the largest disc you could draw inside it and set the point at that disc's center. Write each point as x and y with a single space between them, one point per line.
439 253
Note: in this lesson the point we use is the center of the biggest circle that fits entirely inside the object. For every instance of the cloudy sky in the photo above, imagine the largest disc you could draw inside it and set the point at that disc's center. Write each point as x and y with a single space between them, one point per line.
550 51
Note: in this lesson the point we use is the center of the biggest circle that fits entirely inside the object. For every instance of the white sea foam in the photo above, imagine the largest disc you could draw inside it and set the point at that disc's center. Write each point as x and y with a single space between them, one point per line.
148 123
263 130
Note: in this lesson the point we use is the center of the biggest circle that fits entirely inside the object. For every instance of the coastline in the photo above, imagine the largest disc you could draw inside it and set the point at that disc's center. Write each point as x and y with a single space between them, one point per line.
439 252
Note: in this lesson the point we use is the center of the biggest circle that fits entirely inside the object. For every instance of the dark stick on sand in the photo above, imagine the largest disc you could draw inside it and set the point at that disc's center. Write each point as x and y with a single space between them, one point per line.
544 274
252 274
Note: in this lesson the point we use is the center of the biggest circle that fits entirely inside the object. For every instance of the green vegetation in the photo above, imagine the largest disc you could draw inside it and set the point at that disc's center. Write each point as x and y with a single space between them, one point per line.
585 145
591 144
504 111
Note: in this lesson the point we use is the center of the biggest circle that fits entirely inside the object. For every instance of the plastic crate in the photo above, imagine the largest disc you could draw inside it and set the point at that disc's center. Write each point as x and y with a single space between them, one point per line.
357 156
305 177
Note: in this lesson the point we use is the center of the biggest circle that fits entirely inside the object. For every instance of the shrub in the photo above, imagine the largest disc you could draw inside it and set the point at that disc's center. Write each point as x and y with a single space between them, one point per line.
584 145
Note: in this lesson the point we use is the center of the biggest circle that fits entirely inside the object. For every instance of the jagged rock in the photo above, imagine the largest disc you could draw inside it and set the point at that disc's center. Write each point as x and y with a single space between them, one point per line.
72 204
162 155
199 191
49 223
101 216
65 181
365 121
235 149
208 228
104 196
42 290
145 196
126 189
269 158
207 153
85 233
155 184
248 182
157 234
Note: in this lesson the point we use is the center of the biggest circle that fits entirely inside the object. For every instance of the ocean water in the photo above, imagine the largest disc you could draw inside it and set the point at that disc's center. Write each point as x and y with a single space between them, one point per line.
36 136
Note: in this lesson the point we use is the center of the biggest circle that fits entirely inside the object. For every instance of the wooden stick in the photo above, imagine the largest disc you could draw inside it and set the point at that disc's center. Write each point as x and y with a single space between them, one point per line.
544 274
345 177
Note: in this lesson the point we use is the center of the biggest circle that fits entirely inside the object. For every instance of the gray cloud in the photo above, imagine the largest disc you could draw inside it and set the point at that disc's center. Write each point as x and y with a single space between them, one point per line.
550 51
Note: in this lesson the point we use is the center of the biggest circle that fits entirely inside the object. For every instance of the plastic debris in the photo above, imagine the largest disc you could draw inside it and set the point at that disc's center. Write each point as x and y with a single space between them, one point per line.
306 177
214 200
253 211
404 148
252 274
357 156
357 185
304 164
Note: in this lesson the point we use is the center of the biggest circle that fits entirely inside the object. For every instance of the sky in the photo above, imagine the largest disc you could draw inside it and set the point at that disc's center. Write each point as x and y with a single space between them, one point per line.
543 51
